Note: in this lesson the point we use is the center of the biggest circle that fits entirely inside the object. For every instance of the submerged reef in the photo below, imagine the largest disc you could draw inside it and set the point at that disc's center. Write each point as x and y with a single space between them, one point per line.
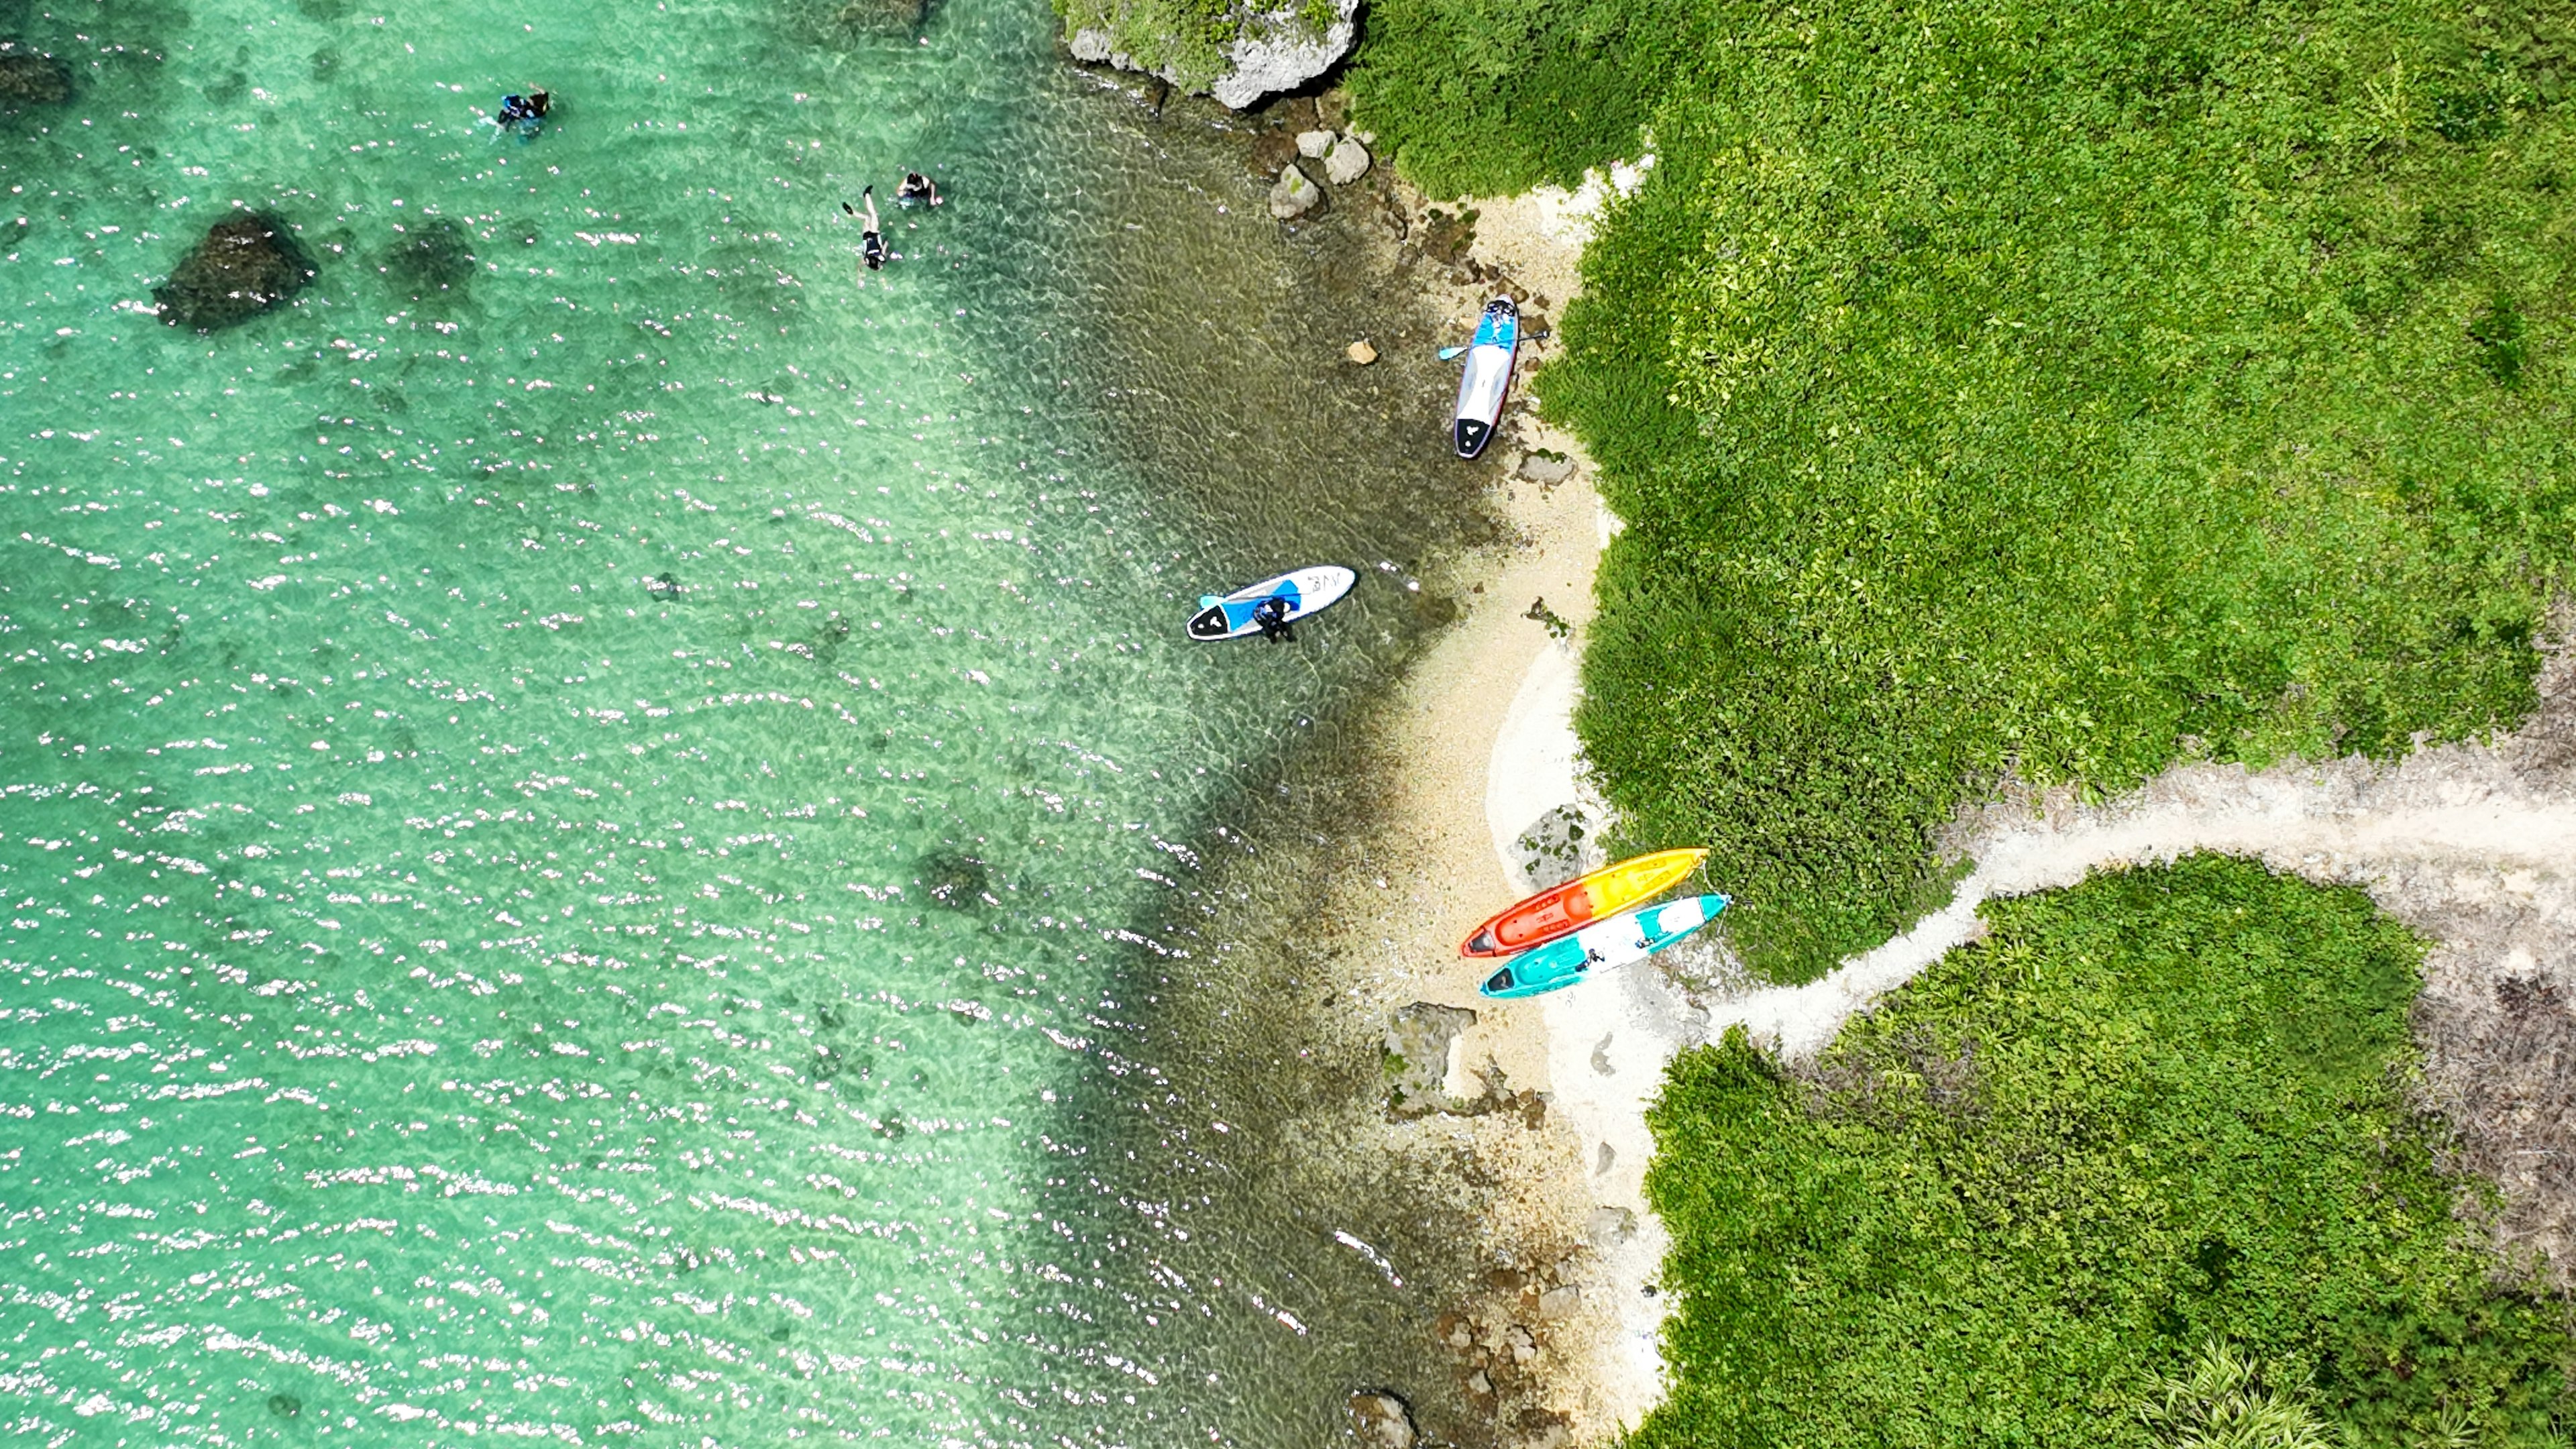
247 264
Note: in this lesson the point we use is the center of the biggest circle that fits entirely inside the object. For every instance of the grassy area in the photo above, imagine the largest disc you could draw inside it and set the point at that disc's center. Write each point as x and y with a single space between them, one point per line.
2155 1112
2043 391
1482 97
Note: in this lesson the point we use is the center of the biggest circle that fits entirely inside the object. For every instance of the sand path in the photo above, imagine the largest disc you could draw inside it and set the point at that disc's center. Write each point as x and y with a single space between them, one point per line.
2473 846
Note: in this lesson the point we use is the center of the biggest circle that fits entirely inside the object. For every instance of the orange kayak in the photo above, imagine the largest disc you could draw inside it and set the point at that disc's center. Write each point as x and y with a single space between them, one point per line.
1563 909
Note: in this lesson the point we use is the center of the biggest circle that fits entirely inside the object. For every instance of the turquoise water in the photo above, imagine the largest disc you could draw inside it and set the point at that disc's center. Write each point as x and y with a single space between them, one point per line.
578 822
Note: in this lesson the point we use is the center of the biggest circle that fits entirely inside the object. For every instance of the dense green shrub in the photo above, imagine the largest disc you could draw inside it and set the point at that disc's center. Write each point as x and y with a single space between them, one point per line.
2155 1112
1481 97
2002 389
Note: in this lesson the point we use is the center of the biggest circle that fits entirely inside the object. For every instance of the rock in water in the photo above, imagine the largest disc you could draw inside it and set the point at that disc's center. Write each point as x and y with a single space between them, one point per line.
28 79
1361 353
1345 161
247 264
1381 1420
1313 144
430 256
1294 195
1271 50
955 879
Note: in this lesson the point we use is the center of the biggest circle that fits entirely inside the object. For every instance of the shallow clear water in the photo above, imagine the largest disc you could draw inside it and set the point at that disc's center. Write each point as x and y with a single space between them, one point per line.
578 823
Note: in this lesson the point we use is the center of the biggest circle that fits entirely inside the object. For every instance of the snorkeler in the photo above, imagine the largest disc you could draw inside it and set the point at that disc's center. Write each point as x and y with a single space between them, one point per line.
524 114
1271 617
871 241
917 187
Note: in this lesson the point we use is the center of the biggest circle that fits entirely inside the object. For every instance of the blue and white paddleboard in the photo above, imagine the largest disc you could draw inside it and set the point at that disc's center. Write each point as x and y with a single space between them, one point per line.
1488 377
1303 592
1617 941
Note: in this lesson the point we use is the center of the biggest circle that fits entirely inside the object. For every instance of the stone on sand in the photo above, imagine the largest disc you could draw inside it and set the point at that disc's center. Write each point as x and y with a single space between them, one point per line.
1345 161
1361 353
1540 466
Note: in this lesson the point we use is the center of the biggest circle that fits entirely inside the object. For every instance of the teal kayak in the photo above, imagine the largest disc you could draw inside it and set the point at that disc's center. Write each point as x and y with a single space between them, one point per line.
1617 941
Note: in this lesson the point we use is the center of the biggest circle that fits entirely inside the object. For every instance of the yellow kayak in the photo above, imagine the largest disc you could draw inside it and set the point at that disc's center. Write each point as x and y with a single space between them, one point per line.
1560 910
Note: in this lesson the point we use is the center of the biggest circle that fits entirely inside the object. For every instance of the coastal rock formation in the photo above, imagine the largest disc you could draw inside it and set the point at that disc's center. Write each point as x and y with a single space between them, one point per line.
28 79
1417 1057
1293 195
1313 144
1381 1420
247 264
1272 50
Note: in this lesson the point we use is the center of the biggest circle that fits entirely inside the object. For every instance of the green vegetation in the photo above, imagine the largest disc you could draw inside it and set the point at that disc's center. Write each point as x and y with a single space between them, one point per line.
2157 1112
1482 97
2045 392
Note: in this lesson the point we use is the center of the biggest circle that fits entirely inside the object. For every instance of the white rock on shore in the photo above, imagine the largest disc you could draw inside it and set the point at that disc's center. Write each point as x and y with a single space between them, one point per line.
1345 160
1294 195
1273 52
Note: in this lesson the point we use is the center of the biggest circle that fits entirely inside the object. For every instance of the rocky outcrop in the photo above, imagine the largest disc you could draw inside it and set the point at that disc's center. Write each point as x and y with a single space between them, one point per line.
248 263
1417 1057
1272 51
1380 1420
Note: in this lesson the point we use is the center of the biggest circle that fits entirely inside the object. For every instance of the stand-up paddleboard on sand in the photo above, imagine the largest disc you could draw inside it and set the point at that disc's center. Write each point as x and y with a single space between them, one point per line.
1617 941
1539 919
1303 591
1488 377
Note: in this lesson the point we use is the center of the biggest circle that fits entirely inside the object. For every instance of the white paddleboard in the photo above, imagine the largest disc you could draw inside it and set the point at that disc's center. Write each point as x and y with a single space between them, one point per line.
1488 376
1303 591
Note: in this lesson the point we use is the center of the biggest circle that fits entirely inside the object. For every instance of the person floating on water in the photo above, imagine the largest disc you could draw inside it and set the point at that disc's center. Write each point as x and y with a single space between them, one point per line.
917 187
1271 616
524 114
871 241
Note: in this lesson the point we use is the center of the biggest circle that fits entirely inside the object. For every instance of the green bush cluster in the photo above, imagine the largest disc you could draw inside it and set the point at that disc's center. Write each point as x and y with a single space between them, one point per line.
2046 391
1483 97
2019 1203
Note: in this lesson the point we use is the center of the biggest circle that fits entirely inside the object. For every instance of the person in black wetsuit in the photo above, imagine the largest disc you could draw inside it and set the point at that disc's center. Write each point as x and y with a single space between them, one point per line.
871 240
917 187
1271 617
524 113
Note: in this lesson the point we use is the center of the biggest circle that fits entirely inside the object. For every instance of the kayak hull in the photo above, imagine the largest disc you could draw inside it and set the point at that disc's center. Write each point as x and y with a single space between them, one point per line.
1619 941
1488 378
1538 919
1306 591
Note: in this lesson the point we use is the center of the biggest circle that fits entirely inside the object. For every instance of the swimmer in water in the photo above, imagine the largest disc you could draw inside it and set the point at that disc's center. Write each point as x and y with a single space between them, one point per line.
917 187
524 114
871 241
